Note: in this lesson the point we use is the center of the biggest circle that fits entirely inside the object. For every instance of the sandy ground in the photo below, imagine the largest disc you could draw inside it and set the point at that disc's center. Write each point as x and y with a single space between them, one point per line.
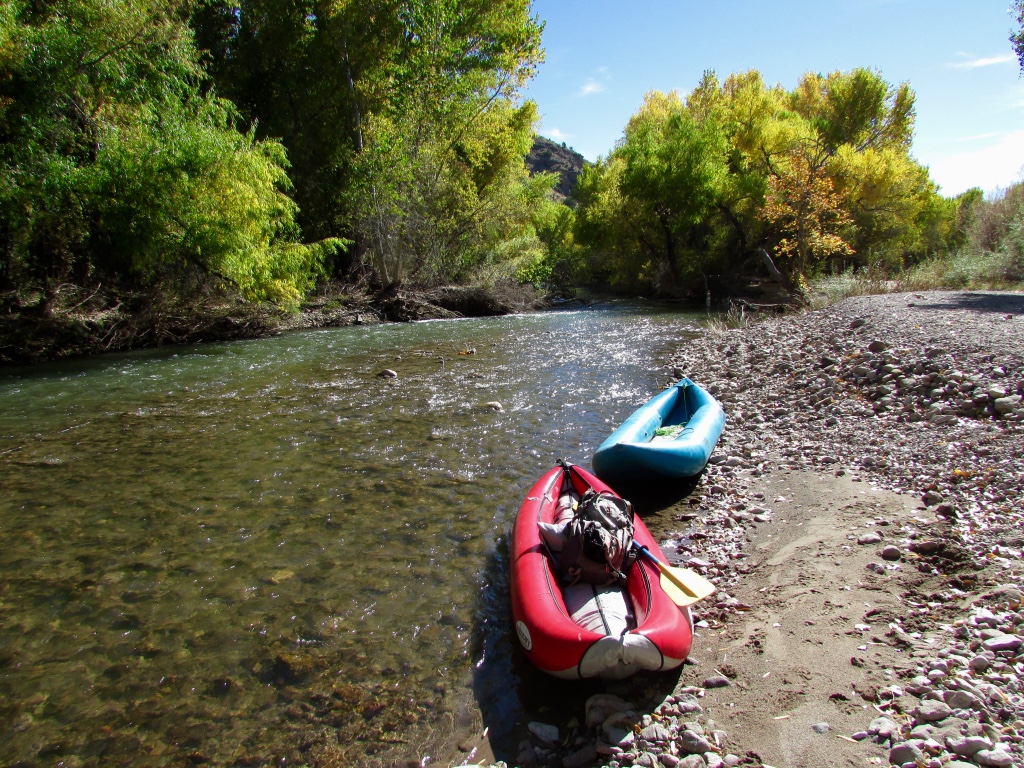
814 642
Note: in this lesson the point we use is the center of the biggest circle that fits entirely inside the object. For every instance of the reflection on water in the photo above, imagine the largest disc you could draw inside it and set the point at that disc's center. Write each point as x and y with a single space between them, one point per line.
263 553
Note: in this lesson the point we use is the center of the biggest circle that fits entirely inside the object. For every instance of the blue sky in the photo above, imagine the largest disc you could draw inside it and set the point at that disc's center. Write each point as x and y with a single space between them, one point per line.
602 56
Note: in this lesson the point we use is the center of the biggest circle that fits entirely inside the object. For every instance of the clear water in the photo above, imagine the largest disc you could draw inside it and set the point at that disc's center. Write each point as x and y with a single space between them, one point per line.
263 553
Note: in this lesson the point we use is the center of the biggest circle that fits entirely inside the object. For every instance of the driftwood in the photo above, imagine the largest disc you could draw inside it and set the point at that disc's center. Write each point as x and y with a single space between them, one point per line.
741 308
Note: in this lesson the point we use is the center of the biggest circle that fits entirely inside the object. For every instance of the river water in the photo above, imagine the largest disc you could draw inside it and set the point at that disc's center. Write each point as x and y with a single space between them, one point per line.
263 553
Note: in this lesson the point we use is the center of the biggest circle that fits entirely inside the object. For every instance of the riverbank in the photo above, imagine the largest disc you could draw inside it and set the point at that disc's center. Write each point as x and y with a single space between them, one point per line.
862 518
80 325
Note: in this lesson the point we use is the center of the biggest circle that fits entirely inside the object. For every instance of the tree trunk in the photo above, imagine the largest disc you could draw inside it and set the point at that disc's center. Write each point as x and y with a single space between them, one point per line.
357 117
788 285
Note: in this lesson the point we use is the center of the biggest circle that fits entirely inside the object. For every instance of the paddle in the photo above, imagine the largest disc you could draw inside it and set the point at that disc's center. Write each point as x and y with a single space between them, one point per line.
682 586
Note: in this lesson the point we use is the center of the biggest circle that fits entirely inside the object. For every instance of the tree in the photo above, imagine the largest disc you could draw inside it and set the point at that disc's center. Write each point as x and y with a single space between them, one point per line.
117 167
821 175
808 214
1017 38
402 119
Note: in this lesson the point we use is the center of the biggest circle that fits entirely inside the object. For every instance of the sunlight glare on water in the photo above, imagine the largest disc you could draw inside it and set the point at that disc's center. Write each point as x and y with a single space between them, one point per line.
229 553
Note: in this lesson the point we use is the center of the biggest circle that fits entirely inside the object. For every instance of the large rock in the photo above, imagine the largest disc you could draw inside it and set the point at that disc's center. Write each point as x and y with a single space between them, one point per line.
1006 405
1003 643
693 743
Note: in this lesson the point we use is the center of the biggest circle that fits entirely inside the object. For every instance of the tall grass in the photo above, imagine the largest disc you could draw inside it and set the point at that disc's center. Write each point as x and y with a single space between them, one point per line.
991 258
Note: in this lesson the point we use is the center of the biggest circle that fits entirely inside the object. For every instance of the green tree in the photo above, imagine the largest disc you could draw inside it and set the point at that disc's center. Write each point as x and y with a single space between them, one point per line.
1017 38
821 176
116 167
401 117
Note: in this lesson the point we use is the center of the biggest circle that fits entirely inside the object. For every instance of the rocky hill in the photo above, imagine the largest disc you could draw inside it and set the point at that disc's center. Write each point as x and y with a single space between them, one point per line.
546 155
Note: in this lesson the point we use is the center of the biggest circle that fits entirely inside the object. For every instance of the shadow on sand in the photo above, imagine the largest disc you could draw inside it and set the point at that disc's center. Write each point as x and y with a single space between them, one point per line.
1003 303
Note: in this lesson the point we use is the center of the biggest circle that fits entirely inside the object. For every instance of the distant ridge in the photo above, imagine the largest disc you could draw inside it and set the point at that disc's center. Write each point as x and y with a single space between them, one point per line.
546 155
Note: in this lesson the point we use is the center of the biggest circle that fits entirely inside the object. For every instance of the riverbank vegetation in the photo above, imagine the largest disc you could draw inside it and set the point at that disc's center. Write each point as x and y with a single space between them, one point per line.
202 153
812 186
176 170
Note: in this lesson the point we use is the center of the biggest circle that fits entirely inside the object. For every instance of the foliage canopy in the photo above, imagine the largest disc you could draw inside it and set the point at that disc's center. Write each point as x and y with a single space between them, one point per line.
816 178
116 165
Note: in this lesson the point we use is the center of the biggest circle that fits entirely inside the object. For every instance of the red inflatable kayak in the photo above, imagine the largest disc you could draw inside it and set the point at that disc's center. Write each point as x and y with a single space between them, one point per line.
584 630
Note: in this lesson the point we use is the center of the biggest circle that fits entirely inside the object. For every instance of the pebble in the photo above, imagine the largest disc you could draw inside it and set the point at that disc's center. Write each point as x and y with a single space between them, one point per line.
906 752
891 553
717 681
543 731
1002 643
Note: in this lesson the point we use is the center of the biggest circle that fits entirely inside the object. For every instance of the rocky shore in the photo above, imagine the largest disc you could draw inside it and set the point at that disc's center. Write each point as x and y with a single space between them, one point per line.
106 321
921 397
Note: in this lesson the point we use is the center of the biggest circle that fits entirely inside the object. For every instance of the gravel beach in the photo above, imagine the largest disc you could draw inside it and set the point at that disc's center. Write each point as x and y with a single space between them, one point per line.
863 520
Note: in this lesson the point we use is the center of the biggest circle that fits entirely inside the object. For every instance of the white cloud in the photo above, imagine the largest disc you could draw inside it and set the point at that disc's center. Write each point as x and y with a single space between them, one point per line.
556 135
984 61
994 166
591 87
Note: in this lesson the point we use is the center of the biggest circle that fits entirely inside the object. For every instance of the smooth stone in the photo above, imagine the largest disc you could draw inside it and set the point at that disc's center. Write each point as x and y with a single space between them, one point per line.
820 727
655 733
890 552
869 538
906 752
1006 405
966 746
1003 643
544 732
962 700
979 663
692 761
883 727
997 757
717 681
931 710
926 547
693 743
387 373
687 703
601 706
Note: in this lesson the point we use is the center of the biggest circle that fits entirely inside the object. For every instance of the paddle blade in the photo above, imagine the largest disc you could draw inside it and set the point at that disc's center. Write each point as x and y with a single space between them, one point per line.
684 587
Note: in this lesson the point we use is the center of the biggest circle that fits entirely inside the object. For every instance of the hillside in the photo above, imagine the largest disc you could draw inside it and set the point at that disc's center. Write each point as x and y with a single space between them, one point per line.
546 155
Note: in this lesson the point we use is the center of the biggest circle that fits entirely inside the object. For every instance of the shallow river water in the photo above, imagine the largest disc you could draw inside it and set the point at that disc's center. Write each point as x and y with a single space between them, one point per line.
262 553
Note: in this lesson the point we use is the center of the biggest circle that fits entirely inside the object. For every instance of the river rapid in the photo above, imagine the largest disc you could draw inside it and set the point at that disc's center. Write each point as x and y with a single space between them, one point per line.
264 553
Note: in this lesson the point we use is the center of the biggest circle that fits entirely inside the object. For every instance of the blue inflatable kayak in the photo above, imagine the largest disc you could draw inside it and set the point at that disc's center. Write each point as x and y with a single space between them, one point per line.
670 437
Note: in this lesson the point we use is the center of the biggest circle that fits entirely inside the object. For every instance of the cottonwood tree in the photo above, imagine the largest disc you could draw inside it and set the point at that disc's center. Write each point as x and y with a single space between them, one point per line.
402 118
117 167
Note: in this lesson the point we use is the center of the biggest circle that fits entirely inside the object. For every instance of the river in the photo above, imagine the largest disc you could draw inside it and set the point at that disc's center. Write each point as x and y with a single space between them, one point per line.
264 553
